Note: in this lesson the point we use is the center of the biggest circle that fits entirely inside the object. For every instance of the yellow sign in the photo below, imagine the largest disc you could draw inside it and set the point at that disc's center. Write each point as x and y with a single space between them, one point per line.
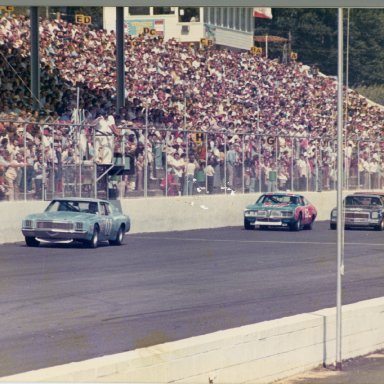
206 42
83 19
257 51
7 8
198 138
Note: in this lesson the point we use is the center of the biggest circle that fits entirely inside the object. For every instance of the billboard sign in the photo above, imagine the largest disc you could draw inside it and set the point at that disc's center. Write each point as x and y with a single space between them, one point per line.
144 26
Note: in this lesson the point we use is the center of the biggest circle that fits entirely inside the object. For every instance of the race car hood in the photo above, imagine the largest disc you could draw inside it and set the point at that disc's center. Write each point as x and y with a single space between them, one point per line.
60 216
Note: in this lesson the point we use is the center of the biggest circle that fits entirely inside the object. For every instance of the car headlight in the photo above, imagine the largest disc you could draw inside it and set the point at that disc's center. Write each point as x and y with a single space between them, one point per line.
250 213
375 215
28 223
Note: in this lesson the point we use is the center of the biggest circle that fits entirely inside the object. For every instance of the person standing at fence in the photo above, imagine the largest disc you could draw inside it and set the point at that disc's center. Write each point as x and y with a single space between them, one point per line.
347 159
209 173
38 169
11 175
374 171
303 171
190 170
177 164
140 172
364 170
231 160
283 176
3 167
104 140
271 174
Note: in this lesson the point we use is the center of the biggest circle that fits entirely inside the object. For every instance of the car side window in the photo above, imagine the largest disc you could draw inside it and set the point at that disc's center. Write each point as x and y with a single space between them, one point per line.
92 208
105 209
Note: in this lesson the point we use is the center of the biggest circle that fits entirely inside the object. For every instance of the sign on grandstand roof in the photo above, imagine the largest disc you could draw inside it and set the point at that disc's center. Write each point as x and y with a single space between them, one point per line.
208 3
270 39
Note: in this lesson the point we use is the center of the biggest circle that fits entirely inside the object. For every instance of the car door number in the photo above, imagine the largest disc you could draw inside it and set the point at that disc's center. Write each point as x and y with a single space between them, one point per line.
107 226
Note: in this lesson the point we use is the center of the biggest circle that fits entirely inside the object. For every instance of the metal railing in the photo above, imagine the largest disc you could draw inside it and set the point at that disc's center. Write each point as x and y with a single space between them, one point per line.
80 160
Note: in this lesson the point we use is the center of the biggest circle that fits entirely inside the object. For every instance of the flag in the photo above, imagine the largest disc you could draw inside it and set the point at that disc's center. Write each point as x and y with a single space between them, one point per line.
263 13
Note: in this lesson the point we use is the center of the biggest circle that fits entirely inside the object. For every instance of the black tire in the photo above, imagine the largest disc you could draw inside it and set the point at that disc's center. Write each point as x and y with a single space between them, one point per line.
31 241
333 226
248 225
380 227
296 226
263 227
94 242
310 225
119 237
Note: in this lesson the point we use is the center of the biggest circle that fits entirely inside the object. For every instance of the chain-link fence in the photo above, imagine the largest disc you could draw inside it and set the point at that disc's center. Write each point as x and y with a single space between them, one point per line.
85 160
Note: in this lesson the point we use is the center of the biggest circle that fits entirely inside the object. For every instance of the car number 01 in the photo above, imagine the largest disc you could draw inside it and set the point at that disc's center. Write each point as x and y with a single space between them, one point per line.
107 226
306 213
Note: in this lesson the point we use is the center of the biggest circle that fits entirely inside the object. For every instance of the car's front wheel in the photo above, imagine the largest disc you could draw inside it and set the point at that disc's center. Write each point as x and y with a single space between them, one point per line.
31 241
119 237
93 243
380 227
247 225
296 226
333 226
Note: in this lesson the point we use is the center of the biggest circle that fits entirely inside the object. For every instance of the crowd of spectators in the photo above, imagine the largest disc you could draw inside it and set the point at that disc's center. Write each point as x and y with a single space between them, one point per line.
216 118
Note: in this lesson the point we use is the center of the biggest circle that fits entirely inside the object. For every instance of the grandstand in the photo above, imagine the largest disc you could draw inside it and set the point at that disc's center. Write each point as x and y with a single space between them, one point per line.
246 116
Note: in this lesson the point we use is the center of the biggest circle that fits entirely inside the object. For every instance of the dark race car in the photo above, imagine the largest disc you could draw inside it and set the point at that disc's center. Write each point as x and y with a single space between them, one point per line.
361 210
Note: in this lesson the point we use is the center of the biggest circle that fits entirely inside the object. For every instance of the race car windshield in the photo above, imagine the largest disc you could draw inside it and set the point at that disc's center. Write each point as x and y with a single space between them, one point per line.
361 201
278 199
69 206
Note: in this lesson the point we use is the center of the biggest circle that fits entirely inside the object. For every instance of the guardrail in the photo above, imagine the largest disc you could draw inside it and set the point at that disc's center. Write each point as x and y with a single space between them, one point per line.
257 353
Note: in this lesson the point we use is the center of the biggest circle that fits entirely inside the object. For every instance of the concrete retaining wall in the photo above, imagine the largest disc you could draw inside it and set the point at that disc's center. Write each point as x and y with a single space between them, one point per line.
164 214
258 353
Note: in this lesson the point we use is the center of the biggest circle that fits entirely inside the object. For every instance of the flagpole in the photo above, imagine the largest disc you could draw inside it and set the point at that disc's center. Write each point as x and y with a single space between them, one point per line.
340 224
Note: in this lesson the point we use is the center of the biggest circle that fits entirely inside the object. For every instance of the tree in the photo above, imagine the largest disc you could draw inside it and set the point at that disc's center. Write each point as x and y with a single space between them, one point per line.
314 36
366 55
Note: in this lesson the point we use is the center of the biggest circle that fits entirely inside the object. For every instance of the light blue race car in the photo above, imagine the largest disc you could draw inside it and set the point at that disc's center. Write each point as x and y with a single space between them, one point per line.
77 219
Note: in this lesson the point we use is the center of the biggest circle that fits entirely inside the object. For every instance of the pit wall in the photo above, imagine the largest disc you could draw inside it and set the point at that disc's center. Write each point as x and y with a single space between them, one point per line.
159 214
257 353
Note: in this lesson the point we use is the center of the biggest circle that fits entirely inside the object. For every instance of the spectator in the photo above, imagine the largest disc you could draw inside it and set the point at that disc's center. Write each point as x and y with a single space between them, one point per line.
209 173
190 170
303 172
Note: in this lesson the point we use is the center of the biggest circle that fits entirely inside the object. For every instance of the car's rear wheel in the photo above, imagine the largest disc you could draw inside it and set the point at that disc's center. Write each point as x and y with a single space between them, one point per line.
333 226
31 241
247 225
311 224
296 226
119 237
94 242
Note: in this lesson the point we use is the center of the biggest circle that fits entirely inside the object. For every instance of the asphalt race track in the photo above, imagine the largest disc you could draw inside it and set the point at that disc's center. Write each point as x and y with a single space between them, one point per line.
61 304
